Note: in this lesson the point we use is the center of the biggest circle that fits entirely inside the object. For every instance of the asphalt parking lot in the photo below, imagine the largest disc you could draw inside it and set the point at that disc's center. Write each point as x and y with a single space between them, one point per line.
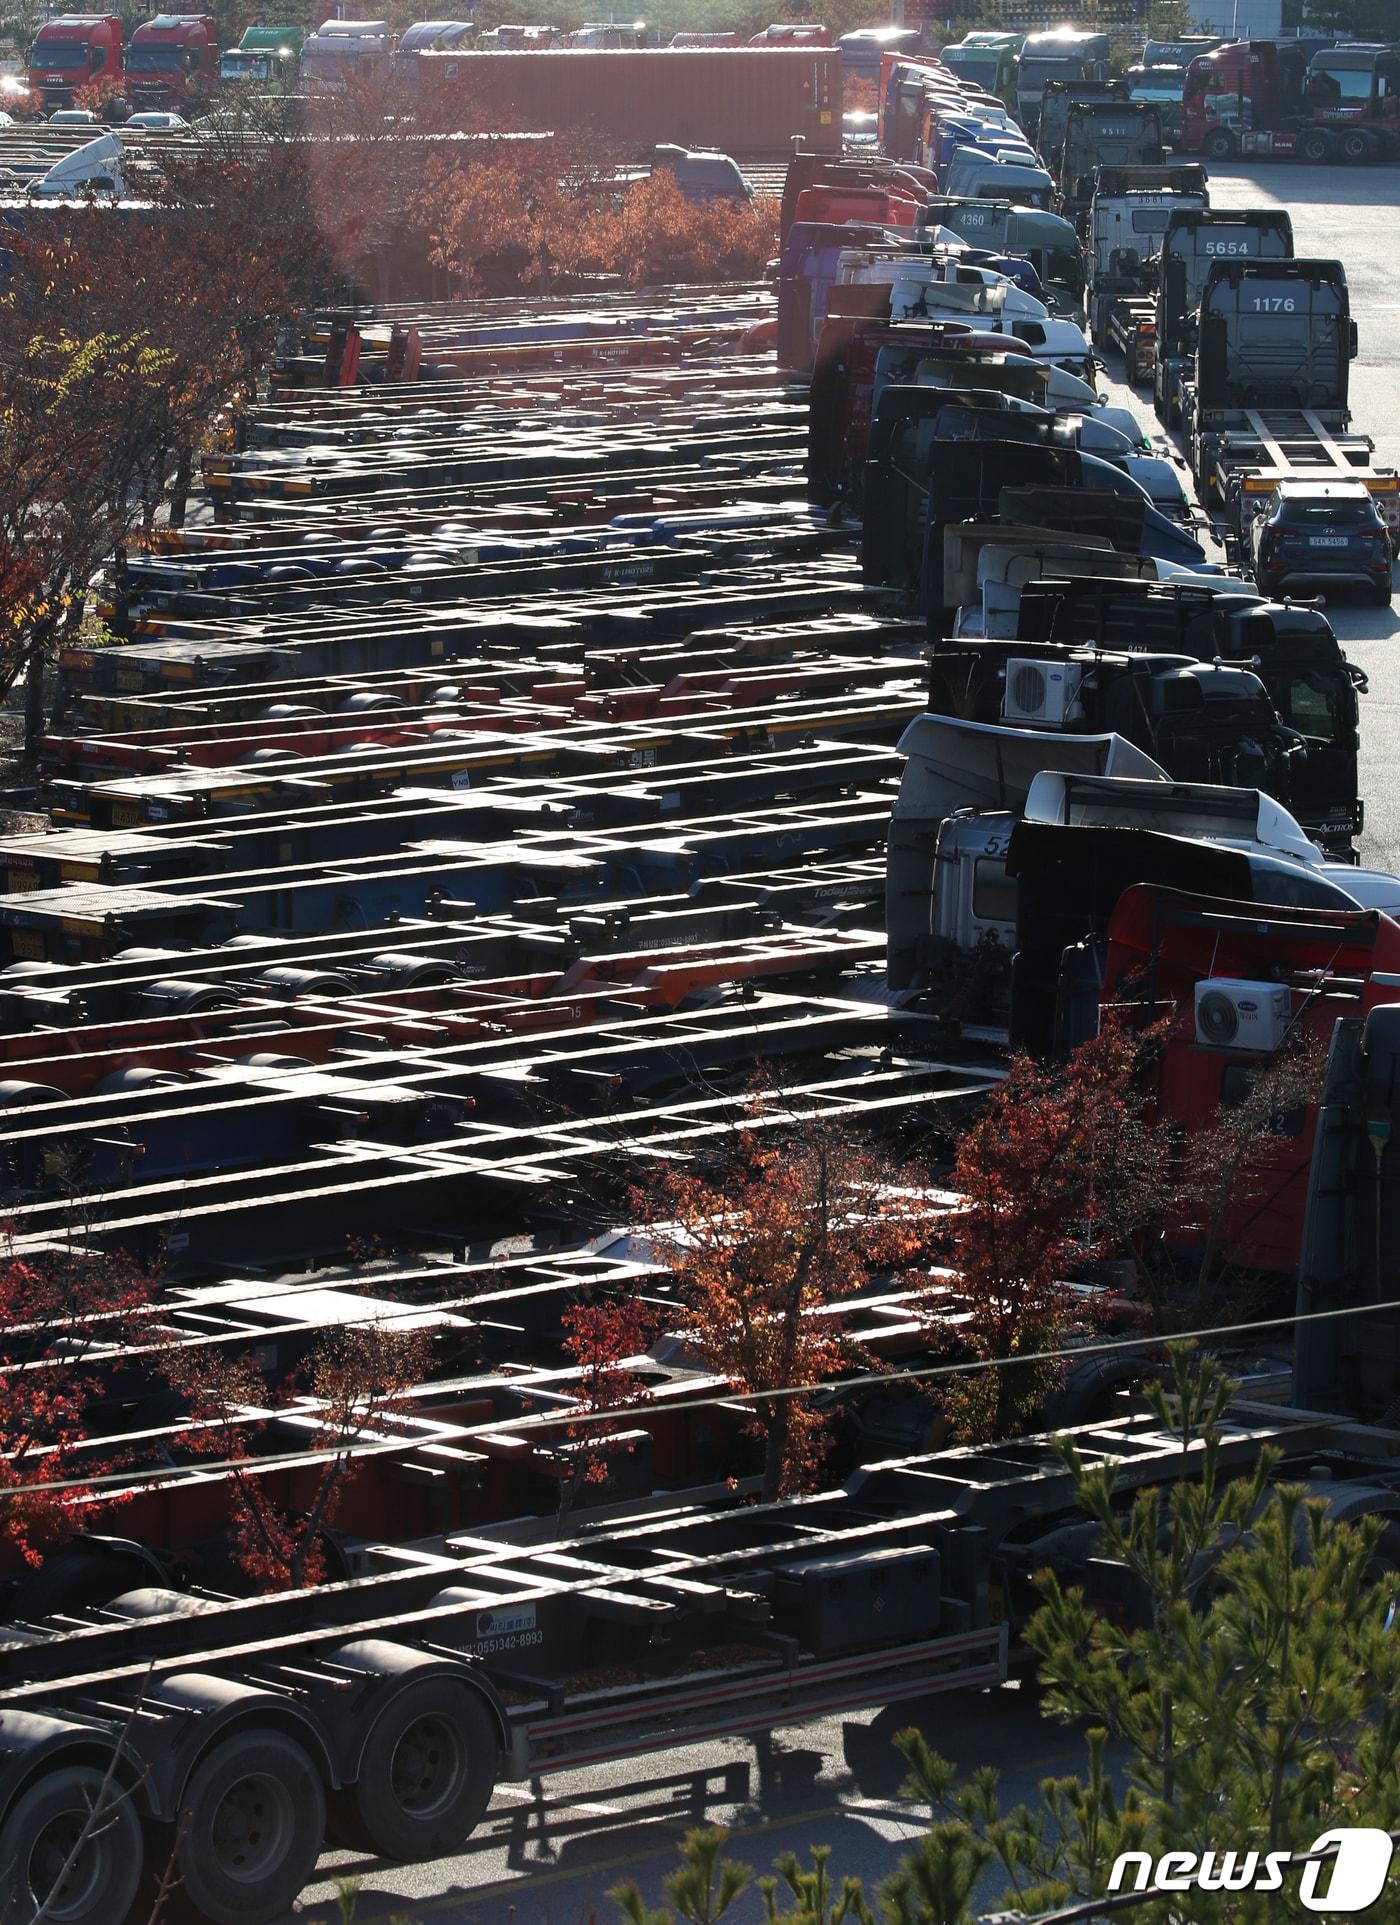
1348 214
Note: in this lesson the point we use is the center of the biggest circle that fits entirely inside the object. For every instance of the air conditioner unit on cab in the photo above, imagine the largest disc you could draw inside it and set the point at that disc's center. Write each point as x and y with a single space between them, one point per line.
1043 692
1236 1015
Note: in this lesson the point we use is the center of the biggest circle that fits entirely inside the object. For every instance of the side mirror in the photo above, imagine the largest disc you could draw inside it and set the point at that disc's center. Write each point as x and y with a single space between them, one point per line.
1352 342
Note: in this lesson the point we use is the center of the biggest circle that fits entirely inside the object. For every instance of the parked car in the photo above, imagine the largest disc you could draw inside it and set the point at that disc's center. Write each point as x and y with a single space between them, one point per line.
157 122
73 117
703 177
1318 532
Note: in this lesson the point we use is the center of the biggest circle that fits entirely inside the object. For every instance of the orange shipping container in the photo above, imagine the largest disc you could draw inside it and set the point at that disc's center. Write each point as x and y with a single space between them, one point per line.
741 100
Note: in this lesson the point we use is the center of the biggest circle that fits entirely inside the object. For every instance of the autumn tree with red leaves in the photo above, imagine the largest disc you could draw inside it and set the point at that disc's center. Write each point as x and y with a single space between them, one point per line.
518 217
657 235
783 1229
123 339
357 1377
126 337
1235 1168
61 1315
153 324
604 1336
1058 1167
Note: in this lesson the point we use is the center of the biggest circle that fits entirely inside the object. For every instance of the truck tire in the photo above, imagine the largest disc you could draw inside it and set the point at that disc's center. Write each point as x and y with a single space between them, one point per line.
1315 146
1220 144
1357 146
254 1819
38 1836
77 1577
427 1773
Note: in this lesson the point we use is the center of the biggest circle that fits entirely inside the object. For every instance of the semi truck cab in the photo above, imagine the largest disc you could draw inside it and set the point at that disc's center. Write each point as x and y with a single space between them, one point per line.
1179 53
1047 241
264 57
1274 334
343 50
1313 687
1055 102
1355 92
173 60
1195 239
993 69
1128 213
1100 134
1060 53
71 51
1160 87
1264 97
948 898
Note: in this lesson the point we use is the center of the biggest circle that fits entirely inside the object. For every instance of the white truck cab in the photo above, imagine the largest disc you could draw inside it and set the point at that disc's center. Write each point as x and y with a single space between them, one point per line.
1243 819
986 565
986 299
962 791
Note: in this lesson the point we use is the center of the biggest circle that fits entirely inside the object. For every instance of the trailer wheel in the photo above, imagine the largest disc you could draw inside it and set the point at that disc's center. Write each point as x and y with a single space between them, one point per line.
76 1578
254 1822
39 1835
427 1773
1220 144
1315 146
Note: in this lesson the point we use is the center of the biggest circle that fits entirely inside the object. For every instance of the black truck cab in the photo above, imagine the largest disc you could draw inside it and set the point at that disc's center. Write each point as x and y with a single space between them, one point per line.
1291 648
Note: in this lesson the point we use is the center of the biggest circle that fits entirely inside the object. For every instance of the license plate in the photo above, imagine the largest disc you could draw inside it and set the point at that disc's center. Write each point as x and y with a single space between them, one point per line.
1327 541
27 945
125 815
22 881
130 678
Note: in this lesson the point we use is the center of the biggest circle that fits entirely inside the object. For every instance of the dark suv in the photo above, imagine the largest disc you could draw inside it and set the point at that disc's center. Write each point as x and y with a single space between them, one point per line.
1318 532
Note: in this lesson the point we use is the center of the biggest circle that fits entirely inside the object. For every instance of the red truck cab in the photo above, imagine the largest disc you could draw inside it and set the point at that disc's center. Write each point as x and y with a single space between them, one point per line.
71 52
1262 97
1353 90
173 61
1163 947
885 204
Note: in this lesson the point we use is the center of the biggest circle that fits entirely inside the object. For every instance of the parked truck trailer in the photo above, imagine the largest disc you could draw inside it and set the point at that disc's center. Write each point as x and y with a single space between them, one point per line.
1267 400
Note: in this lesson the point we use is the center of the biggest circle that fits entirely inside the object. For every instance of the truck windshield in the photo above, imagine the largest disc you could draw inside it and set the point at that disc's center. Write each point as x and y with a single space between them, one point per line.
1213 83
1035 73
243 66
1310 704
66 55
983 69
153 60
1064 267
1342 83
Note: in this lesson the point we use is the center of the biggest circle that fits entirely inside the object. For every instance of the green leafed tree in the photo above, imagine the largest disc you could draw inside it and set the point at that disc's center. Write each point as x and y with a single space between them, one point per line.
1245 1698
